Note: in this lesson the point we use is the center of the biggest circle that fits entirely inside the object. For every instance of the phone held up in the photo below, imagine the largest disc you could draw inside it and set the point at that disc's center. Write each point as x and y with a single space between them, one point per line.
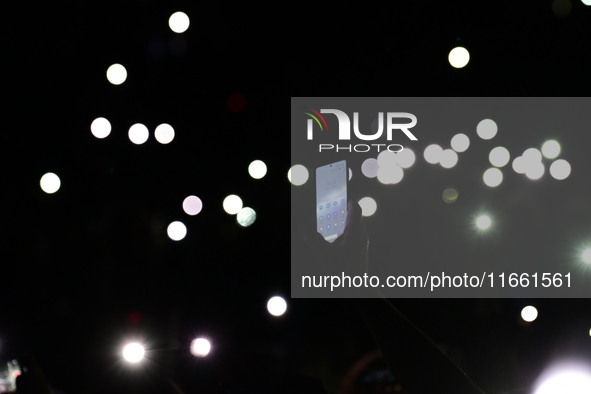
331 200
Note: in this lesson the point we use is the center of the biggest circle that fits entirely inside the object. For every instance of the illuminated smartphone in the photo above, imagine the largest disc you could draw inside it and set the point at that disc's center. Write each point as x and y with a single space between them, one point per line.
331 200
9 370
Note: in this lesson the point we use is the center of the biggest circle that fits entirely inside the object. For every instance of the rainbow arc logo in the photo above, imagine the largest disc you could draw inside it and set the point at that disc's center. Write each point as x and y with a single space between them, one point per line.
316 118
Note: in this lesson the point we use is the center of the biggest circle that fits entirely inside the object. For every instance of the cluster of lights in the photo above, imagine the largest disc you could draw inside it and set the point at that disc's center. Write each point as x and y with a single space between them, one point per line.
138 133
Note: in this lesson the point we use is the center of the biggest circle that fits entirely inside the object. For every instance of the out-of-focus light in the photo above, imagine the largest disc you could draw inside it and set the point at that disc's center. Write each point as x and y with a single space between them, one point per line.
350 174
100 127
450 195
276 306
534 170
390 175
519 165
236 102
133 352
192 205
586 2
368 206
200 347
164 133
138 133
551 149
50 183
529 313
370 167
532 155
449 158
386 158
460 142
298 175
560 169
257 169
483 222
116 74
178 22
176 231
433 154
587 256
459 57
493 177
487 129
566 382
246 216
499 156
232 204
406 158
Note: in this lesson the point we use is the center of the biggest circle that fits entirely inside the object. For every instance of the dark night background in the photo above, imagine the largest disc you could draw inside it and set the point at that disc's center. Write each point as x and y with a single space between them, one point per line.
77 263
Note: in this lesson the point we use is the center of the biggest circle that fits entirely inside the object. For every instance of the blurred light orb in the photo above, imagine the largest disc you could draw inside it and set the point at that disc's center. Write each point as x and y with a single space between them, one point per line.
164 133
459 57
529 313
50 183
176 231
532 155
450 195
587 256
257 169
571 381
370 167
519 165
276 306
406 158
133 352
116 74
493 177
483 222
449 158
192 205
386 158
560 169
551 149
232 204
200 347
100 127
390 175
178 22
534 170
138 134
368 206
487 129
246 216
298 175
433 154
586 2
499 156
460 143
350 173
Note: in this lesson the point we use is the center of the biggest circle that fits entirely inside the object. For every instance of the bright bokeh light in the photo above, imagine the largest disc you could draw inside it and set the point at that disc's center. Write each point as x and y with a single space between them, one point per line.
493 177
350 174
519 165
116 74
276 306
100 127
298 175
532 155
257 169
406 158
138 133
232 204
368 206
246 216
133 352
529 313
192 205
560 169
499 156
178 22
386 158
164 133
487 129
586 2
370 167
587 256
390 175
433 154
50 183
483 222
449 158
568 381
534 170
551 149
450 195
200 347
459 57
176 231
460 143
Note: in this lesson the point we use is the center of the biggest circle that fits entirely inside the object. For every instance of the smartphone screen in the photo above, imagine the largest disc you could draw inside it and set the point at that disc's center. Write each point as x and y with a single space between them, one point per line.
9 370
331 200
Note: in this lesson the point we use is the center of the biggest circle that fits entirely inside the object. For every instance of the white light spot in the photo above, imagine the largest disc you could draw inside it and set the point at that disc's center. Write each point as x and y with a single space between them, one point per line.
133 352
276 306
499 156
246 216
350 173
493 177
370 167
164 133
534 170
176 231
386 158
178 22
50 183
257 169
560 169
100 128
138 133
459 57
566 382
192 205
433 154
406 158
368 206
529 313
487 129
298 175
449 158
587 256
232 204
586 2
116 74
483 222
390 175
460 143
519 165
551 149
200 347
532 155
